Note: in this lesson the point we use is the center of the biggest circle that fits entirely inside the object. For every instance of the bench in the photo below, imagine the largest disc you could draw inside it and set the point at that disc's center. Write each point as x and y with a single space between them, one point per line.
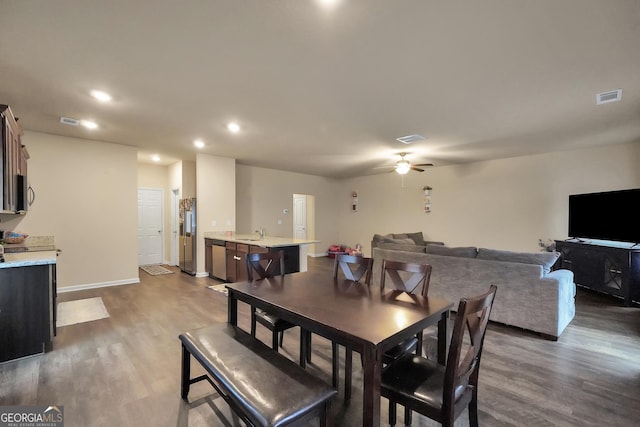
261 386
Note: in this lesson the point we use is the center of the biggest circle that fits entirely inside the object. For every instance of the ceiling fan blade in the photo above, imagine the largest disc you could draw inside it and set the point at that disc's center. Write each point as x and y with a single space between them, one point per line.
413 168
424 164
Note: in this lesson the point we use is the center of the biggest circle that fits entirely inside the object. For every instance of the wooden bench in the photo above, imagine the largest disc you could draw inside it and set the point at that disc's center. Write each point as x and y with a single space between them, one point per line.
262 387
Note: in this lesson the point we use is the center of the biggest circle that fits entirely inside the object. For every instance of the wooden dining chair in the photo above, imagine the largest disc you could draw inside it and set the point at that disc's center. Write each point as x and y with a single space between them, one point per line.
411 278
439 392
353 268
261 266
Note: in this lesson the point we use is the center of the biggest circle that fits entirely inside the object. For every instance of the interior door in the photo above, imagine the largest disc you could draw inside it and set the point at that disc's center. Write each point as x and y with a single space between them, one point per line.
299 216
150 226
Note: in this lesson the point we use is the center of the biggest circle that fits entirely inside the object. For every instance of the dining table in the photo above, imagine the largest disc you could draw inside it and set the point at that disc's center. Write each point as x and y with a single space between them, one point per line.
362 318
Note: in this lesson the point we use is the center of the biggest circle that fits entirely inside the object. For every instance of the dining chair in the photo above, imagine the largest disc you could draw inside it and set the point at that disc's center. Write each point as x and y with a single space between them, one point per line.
411 278
353 268
443 392
261 266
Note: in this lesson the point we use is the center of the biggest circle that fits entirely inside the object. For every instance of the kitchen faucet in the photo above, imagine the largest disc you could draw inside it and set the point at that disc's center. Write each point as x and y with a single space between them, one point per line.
260 231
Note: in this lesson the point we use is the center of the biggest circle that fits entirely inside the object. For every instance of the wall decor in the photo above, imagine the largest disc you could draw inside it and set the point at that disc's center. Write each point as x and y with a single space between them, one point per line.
427 198
354 202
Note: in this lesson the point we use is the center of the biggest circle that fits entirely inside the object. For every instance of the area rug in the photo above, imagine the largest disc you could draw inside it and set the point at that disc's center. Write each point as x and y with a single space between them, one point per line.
80 311
155 270
219 288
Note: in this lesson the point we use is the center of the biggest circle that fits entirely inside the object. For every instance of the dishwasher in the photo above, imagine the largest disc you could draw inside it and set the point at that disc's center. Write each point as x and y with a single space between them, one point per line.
218 261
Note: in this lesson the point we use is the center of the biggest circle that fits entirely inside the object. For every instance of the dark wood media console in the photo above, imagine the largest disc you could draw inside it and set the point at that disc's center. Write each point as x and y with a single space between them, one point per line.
610 269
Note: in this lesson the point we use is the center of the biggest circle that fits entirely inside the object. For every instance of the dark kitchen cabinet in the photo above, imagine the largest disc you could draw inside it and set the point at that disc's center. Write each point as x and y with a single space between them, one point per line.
27 310
236 262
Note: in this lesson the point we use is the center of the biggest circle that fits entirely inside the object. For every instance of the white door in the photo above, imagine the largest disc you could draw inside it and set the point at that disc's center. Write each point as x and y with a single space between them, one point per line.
150 214
299 216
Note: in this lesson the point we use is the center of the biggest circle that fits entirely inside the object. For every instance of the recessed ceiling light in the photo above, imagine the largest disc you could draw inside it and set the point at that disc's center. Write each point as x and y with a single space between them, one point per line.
233 127
101 96
155 158
89 124
198 143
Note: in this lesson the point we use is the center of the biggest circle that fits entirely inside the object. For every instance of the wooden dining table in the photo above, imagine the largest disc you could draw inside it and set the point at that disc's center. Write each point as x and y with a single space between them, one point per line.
351 314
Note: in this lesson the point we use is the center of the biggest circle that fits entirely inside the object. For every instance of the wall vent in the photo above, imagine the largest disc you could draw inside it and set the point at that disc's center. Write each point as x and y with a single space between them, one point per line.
410 139
610 96
69 121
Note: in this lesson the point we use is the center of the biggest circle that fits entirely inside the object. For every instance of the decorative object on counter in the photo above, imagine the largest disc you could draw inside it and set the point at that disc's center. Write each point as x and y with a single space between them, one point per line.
156 270
80 311
12 237
547 245
427 198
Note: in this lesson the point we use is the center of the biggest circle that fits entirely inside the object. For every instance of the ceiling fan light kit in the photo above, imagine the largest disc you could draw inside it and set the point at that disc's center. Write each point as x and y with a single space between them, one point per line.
403 167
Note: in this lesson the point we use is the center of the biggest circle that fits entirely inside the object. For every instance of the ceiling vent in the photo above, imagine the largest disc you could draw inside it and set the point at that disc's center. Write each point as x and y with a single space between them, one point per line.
611 96
69 121
410 139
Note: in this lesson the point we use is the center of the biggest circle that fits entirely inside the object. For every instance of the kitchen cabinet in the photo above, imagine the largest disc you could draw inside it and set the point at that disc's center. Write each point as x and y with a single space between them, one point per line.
236 256
13 164
27 310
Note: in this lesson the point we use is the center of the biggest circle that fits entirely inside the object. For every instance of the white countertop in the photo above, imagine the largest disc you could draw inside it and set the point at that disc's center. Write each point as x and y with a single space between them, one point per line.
266 242
25 259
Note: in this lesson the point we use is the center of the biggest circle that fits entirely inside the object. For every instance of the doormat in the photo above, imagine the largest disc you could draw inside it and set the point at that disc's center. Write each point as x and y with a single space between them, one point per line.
155 270
219 288
80 311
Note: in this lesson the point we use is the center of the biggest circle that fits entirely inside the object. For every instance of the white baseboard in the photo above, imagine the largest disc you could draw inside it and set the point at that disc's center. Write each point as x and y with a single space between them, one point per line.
202 274
318 255
73 288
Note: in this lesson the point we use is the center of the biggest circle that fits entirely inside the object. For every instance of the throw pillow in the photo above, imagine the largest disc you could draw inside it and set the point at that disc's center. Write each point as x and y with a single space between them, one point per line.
406 241
417 237
461 252
400 247
544 259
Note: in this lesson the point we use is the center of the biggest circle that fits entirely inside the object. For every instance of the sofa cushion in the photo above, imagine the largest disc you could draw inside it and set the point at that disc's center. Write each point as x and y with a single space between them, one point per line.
401 247
543 259
416 237
462 251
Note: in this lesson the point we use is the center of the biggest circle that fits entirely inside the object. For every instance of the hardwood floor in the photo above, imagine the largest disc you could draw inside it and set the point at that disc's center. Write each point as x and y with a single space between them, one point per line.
125 370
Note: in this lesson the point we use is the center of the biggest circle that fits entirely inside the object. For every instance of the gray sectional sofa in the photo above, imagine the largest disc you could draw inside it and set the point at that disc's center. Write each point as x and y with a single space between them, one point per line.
530 294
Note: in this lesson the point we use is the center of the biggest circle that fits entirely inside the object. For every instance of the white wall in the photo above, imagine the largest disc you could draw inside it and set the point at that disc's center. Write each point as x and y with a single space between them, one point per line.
263 194
86 197
216 196
503 204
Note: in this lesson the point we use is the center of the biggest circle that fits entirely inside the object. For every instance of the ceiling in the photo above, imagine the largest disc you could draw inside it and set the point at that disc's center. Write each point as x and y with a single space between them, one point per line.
325 89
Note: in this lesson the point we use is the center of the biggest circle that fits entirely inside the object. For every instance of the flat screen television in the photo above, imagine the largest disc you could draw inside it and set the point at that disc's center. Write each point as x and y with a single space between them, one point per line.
610 215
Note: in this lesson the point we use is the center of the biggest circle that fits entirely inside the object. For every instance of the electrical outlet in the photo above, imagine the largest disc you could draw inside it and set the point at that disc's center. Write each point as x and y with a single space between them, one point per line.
279 222
214 223
228 222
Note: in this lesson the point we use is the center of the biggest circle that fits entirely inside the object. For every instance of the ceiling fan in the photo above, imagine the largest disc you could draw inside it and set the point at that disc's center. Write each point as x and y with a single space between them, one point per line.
403 166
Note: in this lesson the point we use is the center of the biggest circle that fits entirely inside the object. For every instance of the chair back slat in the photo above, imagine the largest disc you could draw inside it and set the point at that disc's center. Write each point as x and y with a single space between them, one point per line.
406 277
353 267
264 265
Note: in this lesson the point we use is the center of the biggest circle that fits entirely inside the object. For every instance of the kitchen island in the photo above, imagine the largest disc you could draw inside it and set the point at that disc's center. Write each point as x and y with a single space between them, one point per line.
224 254
27 303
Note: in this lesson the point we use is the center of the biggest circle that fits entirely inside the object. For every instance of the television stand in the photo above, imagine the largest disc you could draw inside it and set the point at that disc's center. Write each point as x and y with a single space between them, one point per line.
609 269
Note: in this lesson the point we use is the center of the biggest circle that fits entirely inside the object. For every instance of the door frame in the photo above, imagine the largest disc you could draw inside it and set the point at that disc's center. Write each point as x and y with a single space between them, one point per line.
162 216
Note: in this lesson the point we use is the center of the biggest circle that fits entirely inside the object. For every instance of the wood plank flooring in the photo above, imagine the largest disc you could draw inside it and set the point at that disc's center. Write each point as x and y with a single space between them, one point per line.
125 370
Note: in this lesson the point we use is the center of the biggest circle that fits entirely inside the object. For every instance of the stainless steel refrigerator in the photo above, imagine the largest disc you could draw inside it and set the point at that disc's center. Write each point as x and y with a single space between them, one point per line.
187 241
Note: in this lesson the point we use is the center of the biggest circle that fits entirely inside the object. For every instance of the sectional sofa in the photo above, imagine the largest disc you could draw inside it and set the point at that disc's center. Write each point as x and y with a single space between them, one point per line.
531 295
